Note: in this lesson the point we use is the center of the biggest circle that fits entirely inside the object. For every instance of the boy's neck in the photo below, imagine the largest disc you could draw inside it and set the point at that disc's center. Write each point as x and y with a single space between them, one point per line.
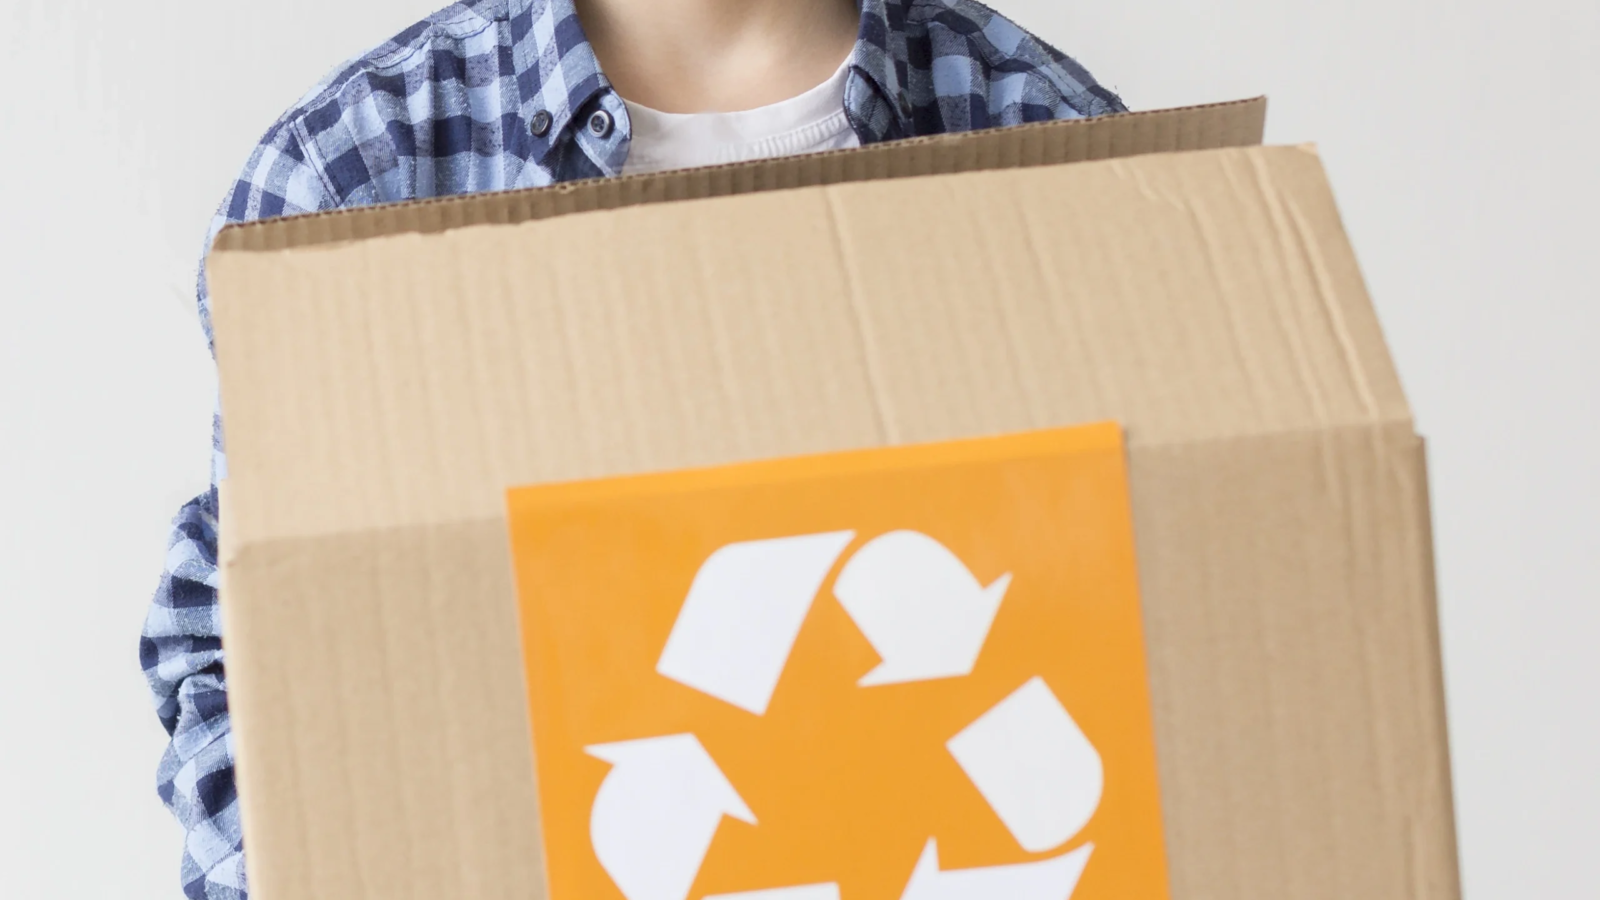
718 55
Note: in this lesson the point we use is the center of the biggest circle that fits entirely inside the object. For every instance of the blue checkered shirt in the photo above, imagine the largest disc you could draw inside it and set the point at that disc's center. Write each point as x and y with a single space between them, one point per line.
489 95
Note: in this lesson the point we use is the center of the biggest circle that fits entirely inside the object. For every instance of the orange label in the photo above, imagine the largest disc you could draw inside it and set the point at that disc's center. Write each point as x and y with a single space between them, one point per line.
904 674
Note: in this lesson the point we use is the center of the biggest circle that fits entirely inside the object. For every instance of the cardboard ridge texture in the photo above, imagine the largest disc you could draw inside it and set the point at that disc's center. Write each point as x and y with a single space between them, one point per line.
387 374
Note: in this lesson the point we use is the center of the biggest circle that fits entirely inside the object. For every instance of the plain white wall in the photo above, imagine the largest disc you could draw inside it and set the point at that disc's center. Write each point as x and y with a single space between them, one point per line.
1461 140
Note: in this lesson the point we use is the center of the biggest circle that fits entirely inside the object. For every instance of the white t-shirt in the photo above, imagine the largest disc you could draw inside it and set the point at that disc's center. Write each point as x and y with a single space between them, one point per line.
812 122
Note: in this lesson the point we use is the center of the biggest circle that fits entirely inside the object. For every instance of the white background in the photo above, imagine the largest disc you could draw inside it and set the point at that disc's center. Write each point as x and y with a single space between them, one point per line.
1462 140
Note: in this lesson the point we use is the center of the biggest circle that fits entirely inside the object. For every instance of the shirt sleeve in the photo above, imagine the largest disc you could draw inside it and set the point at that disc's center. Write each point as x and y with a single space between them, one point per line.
1082 96
181 646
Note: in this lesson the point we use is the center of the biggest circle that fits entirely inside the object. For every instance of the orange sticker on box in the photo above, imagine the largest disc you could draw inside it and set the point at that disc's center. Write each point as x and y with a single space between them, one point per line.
905 674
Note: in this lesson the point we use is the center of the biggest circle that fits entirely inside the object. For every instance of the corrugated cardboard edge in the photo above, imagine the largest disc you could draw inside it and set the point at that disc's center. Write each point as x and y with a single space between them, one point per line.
1238 123
1422 499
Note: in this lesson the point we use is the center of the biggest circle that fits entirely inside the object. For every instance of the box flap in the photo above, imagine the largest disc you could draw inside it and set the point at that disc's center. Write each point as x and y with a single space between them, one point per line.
406 380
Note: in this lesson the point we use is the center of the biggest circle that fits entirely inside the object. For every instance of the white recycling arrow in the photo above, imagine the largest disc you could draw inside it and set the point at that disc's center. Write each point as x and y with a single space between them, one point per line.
803 892
656 813
1050 879
919 606
1034 765
743 613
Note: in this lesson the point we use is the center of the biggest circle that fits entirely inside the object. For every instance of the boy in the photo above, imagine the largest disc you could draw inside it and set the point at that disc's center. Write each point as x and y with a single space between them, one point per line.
495 94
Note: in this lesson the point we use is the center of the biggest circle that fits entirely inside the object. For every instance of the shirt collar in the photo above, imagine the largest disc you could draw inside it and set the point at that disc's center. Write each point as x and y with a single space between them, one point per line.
881 58
557 72
556 69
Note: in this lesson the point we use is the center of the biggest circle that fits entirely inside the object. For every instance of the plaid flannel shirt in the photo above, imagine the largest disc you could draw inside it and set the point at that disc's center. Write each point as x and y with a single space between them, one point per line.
489 95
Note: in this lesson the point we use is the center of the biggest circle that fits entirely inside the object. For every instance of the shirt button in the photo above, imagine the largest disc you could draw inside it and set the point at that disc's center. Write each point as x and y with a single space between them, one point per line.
600 124
905 106
540 125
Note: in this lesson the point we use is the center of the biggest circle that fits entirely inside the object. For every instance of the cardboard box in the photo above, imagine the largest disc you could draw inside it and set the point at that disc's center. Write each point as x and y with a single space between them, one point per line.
388 373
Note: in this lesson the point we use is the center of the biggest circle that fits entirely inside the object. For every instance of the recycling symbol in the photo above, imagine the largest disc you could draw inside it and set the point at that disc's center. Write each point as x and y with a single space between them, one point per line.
927 617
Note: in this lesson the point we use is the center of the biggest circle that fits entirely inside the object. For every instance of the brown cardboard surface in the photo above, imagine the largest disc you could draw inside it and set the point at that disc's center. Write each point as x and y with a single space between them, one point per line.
381 394
1234 124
